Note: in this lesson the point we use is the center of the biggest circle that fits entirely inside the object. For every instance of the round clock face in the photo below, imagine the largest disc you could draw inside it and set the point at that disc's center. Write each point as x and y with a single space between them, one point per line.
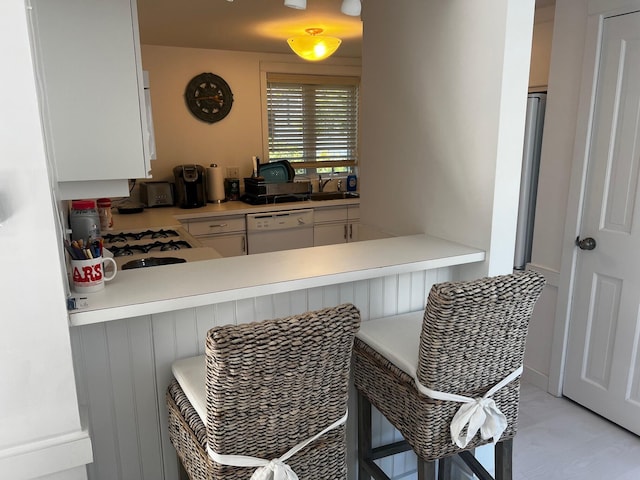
209 97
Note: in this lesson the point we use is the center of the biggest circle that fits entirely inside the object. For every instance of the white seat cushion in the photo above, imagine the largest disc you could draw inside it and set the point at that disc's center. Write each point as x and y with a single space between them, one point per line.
191 374
397 338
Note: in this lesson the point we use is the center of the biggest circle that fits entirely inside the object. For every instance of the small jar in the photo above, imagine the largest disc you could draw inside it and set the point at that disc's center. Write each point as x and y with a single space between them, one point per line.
104 212
84 220
352 183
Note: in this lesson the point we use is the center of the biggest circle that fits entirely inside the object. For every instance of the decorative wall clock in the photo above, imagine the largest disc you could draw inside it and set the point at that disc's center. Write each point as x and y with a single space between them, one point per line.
208 97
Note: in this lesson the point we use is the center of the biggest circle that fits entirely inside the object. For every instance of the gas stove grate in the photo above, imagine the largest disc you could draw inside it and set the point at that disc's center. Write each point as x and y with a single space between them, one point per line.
126 250
126 236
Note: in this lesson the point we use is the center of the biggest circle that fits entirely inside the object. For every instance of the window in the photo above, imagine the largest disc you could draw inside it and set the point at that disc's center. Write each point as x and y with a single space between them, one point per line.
313 122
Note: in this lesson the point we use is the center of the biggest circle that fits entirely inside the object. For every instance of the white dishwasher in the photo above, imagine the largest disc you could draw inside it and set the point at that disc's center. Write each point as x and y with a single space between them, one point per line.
283 230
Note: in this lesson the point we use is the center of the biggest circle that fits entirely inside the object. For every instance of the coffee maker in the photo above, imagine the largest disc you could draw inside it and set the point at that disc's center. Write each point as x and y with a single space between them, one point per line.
190 186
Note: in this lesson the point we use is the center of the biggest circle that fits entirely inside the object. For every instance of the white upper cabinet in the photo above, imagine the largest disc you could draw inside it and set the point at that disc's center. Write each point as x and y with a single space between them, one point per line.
93 101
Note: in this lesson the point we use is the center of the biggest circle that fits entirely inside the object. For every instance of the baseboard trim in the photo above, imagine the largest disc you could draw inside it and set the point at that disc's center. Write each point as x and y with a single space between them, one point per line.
48 456
535 378
551 276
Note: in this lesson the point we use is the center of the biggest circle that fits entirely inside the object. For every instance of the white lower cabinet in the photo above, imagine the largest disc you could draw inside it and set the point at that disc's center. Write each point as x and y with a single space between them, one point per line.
226 235
227 245
336 225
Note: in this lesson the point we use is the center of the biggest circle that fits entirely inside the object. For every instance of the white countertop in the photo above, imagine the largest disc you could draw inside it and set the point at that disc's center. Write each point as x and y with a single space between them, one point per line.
172 216
160 289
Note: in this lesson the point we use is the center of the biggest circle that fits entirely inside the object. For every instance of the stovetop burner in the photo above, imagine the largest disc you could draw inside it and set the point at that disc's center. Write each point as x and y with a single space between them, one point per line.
126 236
126 250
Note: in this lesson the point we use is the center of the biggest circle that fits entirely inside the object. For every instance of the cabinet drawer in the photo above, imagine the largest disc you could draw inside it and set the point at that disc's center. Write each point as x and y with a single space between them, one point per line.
214 225
227 245
329 214
354 213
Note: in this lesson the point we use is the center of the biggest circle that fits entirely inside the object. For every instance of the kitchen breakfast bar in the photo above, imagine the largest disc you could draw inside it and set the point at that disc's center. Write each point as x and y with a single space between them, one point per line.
194 284
125 341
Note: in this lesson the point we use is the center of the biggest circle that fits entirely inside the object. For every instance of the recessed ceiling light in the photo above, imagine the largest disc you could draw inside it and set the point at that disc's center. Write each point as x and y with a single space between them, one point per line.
351 7
297 4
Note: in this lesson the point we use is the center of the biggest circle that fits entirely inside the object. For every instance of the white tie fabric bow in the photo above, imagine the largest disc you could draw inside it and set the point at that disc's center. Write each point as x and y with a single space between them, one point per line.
479 413
274 469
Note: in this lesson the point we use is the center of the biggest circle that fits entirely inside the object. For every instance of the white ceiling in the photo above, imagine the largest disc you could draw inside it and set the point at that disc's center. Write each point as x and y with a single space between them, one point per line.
247 25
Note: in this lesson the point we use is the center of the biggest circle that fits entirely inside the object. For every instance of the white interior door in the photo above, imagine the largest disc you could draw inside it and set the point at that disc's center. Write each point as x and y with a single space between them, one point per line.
602 368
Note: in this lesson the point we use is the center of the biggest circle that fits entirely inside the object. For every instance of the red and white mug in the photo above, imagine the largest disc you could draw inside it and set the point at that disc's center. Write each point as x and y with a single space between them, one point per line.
89 275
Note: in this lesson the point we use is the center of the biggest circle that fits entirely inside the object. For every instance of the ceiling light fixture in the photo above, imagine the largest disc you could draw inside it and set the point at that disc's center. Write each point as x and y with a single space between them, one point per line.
297 4
313 47
351 7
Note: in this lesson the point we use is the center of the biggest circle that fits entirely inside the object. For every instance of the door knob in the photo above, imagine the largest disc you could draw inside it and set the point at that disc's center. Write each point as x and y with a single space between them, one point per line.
586 243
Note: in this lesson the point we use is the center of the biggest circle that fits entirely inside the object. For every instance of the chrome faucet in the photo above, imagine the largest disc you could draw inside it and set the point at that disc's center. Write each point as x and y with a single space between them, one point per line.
322 184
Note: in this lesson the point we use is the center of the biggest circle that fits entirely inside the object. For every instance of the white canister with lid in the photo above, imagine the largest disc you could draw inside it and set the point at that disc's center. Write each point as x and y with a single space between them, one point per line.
104 214
84 220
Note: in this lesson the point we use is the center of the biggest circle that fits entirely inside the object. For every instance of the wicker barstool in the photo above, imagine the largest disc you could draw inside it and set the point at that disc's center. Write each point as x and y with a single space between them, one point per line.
270 386
469 339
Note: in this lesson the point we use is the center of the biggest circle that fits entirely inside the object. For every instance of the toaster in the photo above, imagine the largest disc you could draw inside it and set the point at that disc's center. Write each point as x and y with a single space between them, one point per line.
156 194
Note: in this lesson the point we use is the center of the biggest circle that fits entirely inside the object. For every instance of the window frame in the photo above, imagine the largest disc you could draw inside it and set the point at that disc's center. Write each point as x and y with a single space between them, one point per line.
308 168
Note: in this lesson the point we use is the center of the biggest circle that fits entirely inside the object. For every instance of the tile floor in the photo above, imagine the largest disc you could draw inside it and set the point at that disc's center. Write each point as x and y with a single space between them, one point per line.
557 439
560 440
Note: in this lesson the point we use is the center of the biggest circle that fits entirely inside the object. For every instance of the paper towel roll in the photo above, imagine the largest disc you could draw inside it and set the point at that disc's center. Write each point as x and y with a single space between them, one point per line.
215 184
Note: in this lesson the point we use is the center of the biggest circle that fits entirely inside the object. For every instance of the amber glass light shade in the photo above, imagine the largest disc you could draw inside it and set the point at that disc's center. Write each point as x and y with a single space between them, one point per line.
314 47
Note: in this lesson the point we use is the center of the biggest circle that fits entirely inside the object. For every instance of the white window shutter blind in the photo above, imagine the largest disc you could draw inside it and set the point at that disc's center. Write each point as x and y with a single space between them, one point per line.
313 120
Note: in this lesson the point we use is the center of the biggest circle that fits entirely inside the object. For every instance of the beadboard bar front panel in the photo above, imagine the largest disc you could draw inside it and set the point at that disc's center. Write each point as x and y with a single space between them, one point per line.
123 368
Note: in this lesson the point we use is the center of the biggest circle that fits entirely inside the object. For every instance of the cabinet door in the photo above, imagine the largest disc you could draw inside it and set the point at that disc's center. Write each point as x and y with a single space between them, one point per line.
88 61
329 234
226 245
352 231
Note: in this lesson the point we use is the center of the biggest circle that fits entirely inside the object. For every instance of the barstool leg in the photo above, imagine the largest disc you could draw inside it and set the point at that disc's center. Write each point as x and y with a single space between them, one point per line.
444 468
364 436
503 460
426 470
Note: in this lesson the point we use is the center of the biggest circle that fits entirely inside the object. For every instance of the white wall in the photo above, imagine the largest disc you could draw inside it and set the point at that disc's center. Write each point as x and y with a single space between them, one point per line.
553 185
541 48
181 137
443 98
40 426
559 130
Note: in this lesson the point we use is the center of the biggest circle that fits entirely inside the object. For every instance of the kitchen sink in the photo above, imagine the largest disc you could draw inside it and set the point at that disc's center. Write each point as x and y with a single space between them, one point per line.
317 196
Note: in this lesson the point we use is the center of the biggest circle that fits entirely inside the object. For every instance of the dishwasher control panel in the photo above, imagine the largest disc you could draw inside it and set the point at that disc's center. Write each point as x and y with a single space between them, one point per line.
282 220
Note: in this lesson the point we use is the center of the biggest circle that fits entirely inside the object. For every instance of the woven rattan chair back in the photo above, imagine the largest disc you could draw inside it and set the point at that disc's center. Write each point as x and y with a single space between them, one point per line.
474 333
473 336
273 384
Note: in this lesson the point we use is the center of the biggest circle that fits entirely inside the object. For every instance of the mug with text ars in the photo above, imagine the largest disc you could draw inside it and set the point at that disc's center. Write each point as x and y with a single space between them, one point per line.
89 275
